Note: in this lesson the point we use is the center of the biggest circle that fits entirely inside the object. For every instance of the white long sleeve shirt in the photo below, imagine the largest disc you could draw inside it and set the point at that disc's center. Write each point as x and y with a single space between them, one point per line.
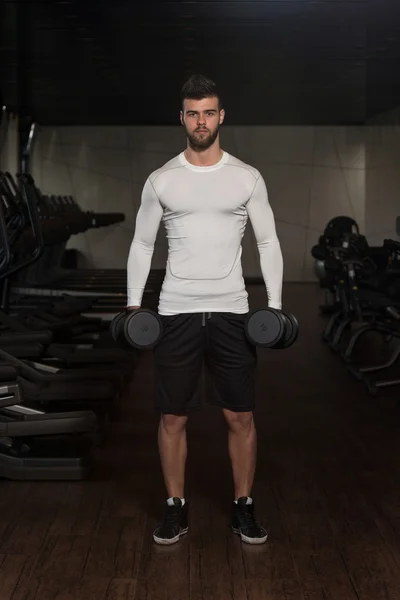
204 211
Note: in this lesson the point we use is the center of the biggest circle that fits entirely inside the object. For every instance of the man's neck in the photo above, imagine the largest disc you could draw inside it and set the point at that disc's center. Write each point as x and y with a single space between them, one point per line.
204 158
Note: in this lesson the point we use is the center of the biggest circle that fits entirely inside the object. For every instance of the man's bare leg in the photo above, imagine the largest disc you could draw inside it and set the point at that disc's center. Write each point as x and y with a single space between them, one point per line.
242 445
173 453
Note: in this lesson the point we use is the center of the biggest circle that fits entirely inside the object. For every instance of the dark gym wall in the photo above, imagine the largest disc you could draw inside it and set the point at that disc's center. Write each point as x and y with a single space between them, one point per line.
312 174
382 181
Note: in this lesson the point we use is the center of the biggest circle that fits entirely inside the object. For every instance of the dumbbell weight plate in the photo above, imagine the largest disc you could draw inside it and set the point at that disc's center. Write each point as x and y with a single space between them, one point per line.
143 329
117 329
265 327
291 329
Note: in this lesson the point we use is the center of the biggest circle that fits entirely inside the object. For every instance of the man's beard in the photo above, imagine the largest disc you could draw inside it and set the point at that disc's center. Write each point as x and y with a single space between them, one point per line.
204 141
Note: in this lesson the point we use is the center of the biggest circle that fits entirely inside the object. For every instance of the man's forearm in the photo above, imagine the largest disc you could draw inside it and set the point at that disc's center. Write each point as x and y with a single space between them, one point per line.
271 259
142 247
271 262
138 268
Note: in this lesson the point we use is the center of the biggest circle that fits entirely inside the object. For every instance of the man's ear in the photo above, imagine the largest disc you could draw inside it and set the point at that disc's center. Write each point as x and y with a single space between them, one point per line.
221 116
181 117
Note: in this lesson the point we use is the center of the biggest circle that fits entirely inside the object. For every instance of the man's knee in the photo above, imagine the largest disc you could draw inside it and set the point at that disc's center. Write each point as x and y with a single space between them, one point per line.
173 423
239 421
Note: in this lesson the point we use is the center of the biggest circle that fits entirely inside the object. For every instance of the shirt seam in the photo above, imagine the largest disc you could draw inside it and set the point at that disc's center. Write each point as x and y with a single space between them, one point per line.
246 169
254 187
165 171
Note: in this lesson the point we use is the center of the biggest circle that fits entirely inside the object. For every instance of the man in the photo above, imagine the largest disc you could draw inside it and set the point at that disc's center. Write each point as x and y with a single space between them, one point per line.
204 197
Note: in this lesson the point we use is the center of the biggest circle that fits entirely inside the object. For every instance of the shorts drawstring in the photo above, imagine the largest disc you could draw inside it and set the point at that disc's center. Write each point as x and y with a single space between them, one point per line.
203 323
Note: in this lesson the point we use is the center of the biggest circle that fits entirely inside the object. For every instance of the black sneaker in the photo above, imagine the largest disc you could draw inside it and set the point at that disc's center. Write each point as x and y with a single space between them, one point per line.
174 524
244 522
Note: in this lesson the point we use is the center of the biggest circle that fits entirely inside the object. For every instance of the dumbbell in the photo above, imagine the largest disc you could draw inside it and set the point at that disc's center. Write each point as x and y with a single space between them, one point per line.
270 328
141 329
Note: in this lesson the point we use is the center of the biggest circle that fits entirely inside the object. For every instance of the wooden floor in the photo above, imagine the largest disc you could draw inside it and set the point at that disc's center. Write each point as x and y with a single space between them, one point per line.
327 487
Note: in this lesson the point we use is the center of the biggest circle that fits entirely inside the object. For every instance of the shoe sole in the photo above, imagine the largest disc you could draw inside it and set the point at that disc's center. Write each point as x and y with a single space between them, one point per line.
169 541
248 540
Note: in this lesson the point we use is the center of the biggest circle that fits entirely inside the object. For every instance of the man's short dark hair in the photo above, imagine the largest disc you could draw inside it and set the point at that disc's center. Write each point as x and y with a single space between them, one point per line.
198 87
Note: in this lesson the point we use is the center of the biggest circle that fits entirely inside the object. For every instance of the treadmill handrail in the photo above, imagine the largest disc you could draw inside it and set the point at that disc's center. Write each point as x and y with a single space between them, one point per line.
37 233
10 394
6 252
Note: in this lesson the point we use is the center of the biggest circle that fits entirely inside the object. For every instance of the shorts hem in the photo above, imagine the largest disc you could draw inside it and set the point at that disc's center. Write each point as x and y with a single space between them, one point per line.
168 411
243 408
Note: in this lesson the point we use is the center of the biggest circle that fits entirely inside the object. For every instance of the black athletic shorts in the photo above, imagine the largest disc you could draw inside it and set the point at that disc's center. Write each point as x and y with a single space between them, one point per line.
216 341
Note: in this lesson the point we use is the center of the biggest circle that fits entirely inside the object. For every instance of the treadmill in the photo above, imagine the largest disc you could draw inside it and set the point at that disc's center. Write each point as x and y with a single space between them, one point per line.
83 283
39 446
41 383
47 327
34 444
64 321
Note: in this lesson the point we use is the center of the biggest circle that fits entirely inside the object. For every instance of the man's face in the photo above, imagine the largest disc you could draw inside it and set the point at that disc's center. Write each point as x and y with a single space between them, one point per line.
201 120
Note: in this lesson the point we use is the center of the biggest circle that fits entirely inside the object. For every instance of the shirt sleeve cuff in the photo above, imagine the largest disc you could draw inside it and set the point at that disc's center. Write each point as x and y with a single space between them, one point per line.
134 297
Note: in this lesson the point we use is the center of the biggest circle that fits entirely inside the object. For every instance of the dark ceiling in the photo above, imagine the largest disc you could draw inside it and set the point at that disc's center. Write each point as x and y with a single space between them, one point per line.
276 61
